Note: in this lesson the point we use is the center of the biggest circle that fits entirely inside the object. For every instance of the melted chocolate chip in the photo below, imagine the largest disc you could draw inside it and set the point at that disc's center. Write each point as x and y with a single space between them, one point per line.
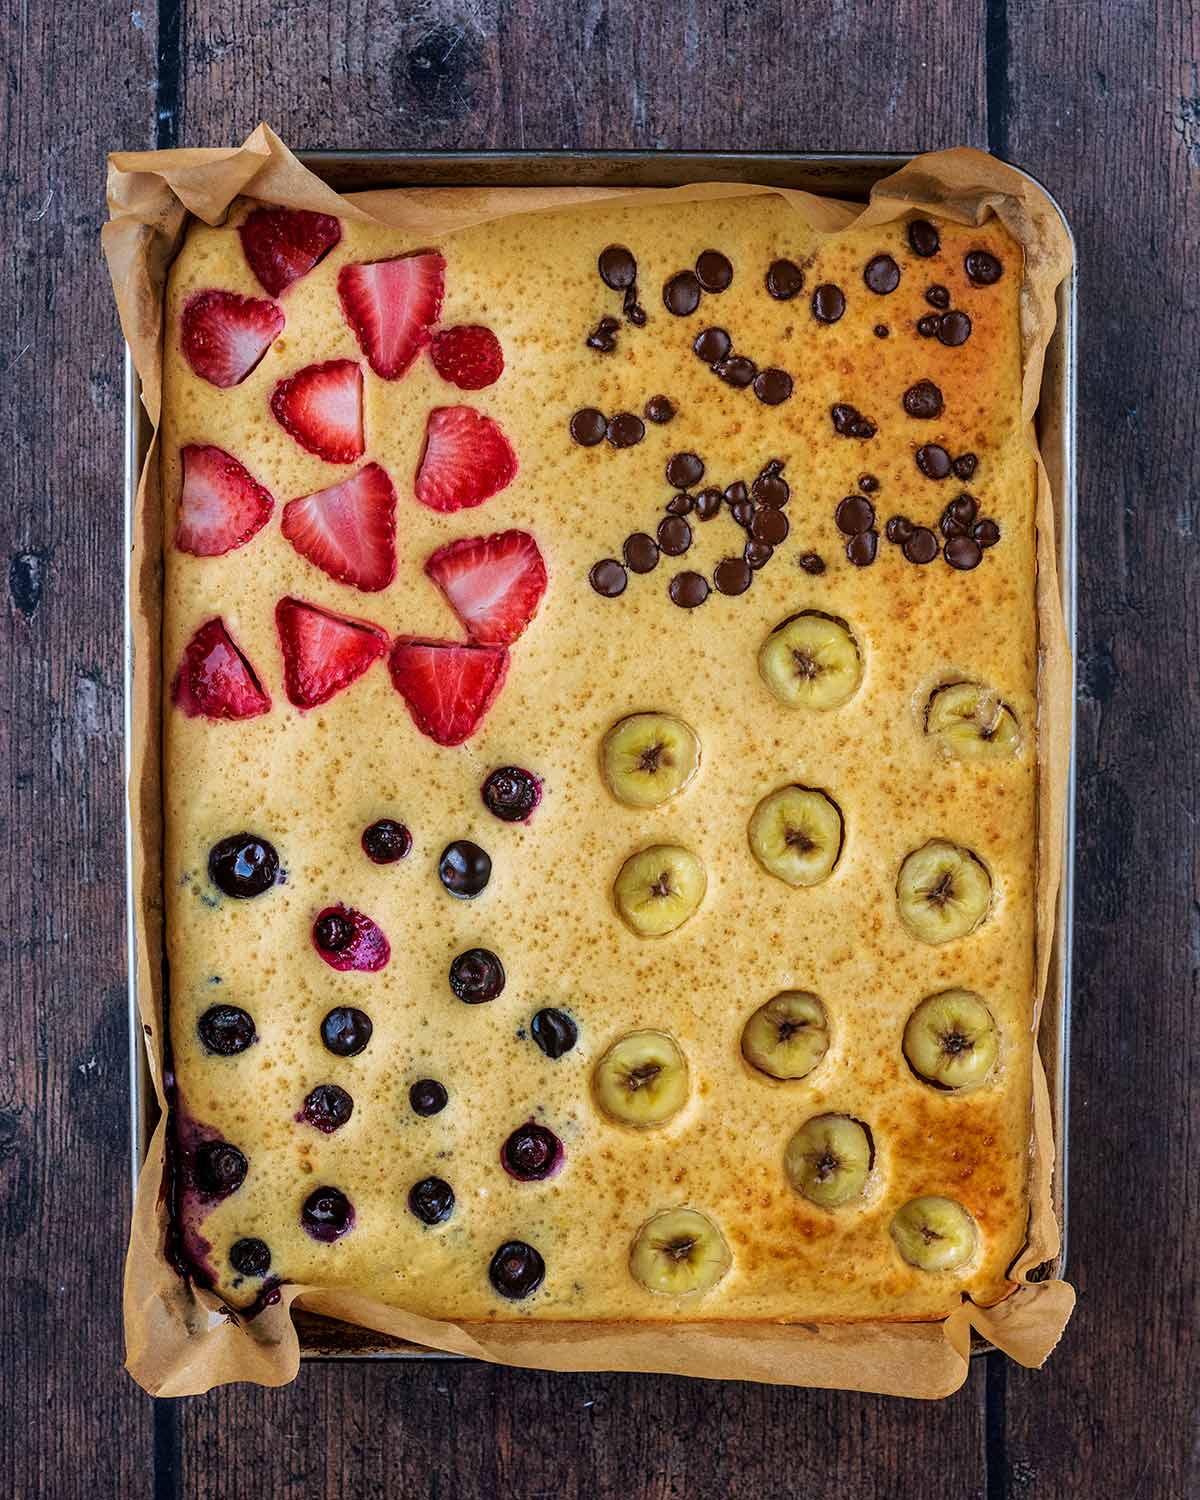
923 401
770 526
684 470
327 1214
828 303
250 1257
772 387
848 421
770 488
618 268
757 554
738 490
554 1031
986 532
854 515
954 328
938 296
881 330
964 465
982 267
674 536
784 279
688 590
898 530
679 505
681 295
608 578
861 549
923 238
226 1030
640 552
659 409
927 326
812 562
714 271
949 526
346 1031
712 345
431 1200
708 503
736 370
428 1097
604 336
963 553
921 546
868 483
882 275
964 509
632 308
220 1168
588 426
328 1107
933 461
624 430
732 575
742 512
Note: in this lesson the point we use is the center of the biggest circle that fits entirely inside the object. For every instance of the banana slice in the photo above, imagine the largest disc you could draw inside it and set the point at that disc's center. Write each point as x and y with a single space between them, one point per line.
951 1040
788 1036
796 834
811 661
647 758
680 1253
657 890
935 1234
642 1079
972 723
943 891
829 1159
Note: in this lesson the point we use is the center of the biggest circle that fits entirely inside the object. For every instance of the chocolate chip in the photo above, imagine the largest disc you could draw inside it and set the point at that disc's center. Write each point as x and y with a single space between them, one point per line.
732 575
784 279
684 470
868 483
927 326
933 461
923 238
964 509
863 428
772 386
633 309
757 554
681 295
898 529
737 491
640 552
714 271
854 515
688 590
812 562
659 409
848 421
770 526
882 275
608 577
708 503
963 553
921 546
881 330
674 536
964 465
861 549
949 526
624 430
986 532
771 489
588 427
828 303
742 512
712 345
954 328
604 335
617 267
679 505
938 296
923 400
982 267
736 370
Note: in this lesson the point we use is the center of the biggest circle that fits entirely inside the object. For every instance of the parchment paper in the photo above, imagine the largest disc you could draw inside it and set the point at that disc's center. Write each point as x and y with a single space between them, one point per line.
181 1339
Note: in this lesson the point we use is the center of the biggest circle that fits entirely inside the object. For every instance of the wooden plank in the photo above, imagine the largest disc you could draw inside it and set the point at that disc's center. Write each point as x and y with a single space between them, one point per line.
70 88
1103 104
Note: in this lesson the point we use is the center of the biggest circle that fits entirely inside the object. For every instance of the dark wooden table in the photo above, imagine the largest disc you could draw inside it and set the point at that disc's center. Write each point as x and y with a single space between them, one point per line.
1099 100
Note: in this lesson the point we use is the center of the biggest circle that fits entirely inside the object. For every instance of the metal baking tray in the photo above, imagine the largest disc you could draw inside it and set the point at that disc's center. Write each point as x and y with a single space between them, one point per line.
849 176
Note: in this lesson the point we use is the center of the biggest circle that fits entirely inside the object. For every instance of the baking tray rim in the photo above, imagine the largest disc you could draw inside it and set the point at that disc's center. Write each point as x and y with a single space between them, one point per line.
1060 368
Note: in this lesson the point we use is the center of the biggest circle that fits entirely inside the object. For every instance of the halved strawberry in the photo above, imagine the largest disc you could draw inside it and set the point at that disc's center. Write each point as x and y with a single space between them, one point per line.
215 679
448 686
348 530
390 305
224 336
220 505
494 583
321 406
467 459
469 357
283 244
323 652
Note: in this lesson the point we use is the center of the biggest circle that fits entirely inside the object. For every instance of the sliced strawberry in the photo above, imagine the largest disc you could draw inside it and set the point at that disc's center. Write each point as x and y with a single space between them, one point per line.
220 505
283 244
349 530
390 305
469 357
448 687
321 406
467 459
224 336
215 680
494 583
323 652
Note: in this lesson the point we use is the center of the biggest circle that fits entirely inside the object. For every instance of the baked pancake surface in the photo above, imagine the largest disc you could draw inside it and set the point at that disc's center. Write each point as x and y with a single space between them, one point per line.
899 696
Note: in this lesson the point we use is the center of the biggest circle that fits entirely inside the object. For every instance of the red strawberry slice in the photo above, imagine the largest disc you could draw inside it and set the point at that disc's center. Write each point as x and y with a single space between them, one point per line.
215 680
448 687
220 505
469 357
321 406
283 244
349 530
224 336
467 459
494 583
323 652
390 305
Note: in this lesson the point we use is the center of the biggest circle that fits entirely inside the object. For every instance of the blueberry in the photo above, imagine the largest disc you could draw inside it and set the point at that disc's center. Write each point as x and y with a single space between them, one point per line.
346 1031
554 1031
428 1097
243 865
250 1257
516 1269
386 841
476 975
531 1153
511 793
333 932
220 1168
327 1214
328 1107
431 1199
226 1029
464 868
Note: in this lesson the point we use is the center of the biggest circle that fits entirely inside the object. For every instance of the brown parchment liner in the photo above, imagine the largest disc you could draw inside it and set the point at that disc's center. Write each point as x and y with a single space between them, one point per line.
180 1339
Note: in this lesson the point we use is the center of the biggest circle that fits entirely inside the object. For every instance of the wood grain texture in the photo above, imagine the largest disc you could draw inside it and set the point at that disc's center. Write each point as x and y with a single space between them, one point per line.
71 1416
